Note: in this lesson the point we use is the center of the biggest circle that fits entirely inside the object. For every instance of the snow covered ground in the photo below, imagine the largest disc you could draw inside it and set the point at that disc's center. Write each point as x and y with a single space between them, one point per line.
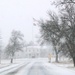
42 67
7 67
5 63
39 66
66 65
56 70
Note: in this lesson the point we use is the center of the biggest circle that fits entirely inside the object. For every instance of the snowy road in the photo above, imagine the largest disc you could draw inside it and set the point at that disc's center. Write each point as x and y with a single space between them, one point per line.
37 67
41 68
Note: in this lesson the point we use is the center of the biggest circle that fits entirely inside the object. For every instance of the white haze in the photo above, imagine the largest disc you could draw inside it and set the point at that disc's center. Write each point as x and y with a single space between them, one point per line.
19 14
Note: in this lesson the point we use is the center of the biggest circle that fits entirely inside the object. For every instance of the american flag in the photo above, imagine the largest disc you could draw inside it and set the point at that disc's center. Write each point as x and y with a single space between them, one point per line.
34 21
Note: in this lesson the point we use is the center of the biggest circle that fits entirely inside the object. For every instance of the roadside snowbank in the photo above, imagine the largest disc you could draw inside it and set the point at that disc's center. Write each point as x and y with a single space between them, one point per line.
52 68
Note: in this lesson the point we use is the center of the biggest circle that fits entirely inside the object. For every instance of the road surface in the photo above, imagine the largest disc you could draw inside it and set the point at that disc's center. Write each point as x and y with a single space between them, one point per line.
41 68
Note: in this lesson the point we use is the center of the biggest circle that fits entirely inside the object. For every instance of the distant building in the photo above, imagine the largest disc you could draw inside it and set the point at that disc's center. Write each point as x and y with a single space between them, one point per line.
29 52
32 52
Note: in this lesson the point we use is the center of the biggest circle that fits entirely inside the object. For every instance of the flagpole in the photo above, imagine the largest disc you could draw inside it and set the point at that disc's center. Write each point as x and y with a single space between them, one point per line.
33 29
33 54
34 24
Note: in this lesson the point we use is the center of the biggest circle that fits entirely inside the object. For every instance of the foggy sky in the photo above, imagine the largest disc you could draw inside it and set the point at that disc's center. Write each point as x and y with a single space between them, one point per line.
19 14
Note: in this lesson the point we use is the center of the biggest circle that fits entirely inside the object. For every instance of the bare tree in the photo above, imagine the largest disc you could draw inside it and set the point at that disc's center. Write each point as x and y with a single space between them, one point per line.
61 27
68 25
50 32
15 44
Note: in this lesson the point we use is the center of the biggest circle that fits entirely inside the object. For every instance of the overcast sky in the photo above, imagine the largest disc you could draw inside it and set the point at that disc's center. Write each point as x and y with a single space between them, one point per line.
18 15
